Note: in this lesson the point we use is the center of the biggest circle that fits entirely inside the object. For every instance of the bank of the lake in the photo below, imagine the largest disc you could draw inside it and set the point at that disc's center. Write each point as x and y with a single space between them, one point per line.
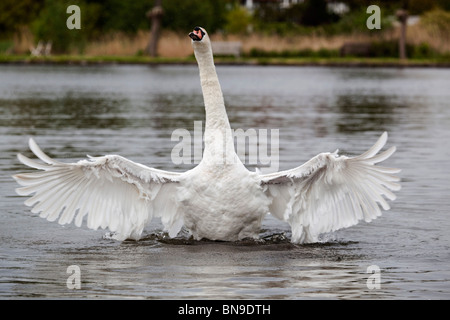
443 62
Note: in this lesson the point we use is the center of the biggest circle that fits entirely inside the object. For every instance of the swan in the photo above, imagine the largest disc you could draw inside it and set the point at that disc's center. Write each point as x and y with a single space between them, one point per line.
219 199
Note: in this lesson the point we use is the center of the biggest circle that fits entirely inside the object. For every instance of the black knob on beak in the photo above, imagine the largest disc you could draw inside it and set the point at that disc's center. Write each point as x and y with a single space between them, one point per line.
197 34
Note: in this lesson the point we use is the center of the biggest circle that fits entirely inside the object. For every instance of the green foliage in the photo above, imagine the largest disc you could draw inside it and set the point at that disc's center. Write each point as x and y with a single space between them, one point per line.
50 26
443 4
314 16
413 6
5 45
185 15
119 15
238 20
390 49
179 15
423 51
388 5
386 49
14 13
355 21
315 12
420 6
308 13
321 53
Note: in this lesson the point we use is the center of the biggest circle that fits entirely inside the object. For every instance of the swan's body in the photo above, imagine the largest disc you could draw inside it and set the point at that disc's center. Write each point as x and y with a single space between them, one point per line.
219 199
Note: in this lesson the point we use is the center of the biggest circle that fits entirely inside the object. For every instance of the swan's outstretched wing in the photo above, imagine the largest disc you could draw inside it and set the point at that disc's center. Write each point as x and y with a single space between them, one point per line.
111 191
330 192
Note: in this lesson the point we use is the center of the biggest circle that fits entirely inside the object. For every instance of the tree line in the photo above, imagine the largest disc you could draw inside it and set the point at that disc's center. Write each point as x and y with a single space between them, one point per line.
47 18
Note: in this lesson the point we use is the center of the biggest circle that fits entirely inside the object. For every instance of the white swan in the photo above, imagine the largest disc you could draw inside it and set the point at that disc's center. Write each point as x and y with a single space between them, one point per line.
219 199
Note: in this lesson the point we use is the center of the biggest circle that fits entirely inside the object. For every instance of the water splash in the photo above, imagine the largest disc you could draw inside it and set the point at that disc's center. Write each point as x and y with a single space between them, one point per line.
185 238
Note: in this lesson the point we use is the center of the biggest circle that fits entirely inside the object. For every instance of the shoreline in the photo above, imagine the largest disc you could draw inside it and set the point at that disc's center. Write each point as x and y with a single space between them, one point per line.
244 61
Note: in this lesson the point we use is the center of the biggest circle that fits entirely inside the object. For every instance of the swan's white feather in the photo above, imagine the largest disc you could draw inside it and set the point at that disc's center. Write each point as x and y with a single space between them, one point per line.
330 192
111 191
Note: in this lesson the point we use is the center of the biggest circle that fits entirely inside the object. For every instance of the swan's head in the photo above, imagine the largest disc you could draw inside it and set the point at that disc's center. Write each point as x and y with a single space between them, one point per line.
201 43
198 34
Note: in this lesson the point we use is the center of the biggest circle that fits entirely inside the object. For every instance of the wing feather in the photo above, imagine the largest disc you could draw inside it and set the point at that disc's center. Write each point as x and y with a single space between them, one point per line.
111 191
330 192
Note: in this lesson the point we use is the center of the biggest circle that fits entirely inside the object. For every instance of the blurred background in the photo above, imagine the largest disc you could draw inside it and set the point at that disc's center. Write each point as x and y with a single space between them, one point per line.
264 28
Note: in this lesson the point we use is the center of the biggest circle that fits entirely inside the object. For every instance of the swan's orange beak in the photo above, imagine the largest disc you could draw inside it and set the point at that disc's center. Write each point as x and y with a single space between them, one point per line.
197 34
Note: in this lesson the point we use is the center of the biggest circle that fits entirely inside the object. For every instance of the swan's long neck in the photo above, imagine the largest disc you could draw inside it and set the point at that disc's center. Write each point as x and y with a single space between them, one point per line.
216 115
218 136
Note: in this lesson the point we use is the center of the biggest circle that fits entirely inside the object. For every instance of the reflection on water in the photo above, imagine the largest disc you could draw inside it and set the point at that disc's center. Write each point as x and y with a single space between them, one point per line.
69 111
362 113
133 110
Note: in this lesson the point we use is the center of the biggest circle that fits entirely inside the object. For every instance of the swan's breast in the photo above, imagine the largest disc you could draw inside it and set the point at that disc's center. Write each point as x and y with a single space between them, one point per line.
223 204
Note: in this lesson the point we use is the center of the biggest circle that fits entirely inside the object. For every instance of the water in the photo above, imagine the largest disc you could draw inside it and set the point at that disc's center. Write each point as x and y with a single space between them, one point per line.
132 110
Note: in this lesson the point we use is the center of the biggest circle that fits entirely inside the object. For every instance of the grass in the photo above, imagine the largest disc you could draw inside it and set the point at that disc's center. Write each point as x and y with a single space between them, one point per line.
86 59
290 61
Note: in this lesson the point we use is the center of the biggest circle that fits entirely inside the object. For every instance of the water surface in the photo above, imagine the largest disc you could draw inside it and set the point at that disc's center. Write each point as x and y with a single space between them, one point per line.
72 111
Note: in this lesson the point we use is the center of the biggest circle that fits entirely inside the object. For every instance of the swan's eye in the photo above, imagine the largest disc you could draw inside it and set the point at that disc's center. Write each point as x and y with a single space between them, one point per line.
197 34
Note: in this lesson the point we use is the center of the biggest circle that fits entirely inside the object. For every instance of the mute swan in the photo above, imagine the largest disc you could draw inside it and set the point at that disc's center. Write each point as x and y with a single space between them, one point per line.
219 199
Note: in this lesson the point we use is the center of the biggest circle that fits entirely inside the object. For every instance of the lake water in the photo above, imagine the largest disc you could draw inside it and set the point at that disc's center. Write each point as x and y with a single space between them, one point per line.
72 111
